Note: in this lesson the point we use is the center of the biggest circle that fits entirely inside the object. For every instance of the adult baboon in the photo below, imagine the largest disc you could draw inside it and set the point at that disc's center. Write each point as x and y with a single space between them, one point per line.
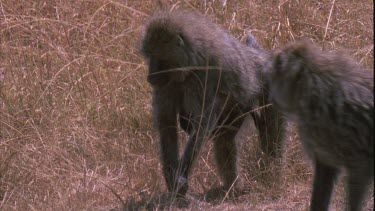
208 81
332 101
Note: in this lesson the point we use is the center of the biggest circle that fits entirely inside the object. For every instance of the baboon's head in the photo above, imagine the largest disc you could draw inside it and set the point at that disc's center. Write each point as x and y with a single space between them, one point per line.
166 49
287 78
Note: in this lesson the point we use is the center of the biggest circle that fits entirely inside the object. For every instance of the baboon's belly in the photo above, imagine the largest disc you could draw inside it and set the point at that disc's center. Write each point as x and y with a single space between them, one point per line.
214 111
332 148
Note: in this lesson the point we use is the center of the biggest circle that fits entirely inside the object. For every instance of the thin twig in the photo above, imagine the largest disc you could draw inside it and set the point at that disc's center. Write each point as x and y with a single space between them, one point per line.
329 19
115 193
368 52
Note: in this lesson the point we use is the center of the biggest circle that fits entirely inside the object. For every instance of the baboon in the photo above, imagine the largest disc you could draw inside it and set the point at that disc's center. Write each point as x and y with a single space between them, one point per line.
207 81
331 99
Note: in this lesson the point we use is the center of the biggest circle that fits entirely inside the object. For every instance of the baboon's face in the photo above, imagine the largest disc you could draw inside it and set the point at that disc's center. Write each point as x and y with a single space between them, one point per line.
284 80
166 54
160 71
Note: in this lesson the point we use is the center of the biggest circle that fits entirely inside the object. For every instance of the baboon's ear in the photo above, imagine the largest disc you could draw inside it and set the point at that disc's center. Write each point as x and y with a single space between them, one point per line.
175 39
302 48
180 40
251 41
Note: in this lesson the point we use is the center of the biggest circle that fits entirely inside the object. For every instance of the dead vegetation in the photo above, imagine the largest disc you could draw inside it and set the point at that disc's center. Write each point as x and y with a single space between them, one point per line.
75 125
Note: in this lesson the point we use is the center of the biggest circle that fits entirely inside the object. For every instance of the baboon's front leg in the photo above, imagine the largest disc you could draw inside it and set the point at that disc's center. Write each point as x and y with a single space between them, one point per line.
165 117
271 128
169 155
360 176
324 177
192 149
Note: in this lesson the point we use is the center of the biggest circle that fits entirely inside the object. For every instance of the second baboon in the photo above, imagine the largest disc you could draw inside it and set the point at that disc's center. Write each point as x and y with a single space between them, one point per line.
207 81
331 99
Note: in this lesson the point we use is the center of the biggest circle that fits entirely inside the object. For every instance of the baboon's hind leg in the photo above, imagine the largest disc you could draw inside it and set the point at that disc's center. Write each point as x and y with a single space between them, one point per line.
226 157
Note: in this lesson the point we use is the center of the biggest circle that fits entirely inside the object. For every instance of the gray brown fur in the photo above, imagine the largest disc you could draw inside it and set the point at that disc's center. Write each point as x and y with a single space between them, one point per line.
207 81
331 99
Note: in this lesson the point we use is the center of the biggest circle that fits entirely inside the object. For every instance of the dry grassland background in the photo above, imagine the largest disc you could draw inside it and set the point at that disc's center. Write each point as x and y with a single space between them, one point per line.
75 110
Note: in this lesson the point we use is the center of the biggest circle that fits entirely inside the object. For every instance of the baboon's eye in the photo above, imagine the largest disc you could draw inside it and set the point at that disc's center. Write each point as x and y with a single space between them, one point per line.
278 63
299 52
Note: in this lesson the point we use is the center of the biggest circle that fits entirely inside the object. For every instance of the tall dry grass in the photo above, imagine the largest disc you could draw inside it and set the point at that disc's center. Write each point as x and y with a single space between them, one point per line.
75 114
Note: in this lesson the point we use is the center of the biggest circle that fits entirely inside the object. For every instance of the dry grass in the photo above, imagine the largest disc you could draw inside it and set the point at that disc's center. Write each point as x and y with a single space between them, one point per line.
75 123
